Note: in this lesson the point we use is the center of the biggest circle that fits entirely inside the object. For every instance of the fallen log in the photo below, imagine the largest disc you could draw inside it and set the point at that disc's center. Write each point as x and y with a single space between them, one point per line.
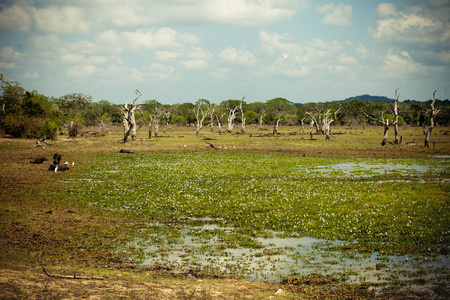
71 276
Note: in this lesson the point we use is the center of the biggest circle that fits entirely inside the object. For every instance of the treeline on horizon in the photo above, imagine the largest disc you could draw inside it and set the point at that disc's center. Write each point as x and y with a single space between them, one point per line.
28 114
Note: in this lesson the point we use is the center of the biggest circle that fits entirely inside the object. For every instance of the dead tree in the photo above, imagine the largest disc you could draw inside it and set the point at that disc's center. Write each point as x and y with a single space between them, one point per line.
303 124
314 122
166 116
278 116
242 116
102 126
231 116
219 121
201 112
433 114
326 122
150 126
129 121
395 123
385 122
212 113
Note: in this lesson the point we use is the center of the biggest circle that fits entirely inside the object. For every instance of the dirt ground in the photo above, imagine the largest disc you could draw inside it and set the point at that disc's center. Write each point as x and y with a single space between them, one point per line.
35 284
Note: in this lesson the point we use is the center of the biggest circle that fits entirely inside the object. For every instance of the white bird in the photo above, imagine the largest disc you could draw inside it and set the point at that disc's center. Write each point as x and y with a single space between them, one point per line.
184 146
73 163
66 163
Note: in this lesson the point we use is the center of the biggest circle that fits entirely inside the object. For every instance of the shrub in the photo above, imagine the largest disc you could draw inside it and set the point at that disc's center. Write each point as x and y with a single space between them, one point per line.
49 129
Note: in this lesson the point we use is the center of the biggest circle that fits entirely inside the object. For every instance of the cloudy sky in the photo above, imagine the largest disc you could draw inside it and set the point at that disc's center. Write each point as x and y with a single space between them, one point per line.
178 51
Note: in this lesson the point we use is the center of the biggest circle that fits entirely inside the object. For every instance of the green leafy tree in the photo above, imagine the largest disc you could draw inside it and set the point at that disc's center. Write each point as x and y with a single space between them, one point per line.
278 108
261 109
24 113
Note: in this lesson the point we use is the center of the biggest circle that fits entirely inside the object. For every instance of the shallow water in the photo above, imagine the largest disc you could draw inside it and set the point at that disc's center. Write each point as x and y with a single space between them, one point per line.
280 258
363 169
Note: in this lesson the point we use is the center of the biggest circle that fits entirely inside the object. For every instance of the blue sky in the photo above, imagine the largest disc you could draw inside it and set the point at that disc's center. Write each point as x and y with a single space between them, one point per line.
178 51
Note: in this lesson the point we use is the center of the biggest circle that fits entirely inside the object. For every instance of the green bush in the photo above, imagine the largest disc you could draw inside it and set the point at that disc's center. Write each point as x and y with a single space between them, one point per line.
49 129
22 126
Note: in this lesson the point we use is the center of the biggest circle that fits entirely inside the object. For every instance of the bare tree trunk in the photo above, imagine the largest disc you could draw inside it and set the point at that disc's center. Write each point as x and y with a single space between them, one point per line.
166 117
156 126
242 116
126 125
219 125
396 140
314 122
133 126
261 116
303 125
433 115
200 115
326 124
129 121
212 112
386 128
150 127
231 117
275 126
385 124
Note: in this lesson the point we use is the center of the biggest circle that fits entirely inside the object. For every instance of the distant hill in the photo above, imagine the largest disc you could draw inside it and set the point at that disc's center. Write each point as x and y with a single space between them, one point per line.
370 98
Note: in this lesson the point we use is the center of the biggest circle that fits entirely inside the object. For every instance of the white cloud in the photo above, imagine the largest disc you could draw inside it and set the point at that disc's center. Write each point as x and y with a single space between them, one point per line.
335 15
139 13
233 56
163 39
15 18
31 75
250 12
165 55
347 60
220 72
7 65
77 59
9 58
60 20
45 42
82 71
416 26
306 58
8 53
23 17
400 65
155 72
385 10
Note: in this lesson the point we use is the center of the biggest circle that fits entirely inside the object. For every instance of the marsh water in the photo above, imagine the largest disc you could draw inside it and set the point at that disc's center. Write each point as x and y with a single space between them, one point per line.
279 258
276 257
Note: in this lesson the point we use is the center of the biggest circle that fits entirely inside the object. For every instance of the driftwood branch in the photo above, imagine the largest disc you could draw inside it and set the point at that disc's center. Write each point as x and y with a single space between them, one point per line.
70 276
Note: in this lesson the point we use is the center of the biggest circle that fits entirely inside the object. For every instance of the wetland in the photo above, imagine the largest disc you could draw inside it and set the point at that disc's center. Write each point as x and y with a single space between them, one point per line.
372 219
